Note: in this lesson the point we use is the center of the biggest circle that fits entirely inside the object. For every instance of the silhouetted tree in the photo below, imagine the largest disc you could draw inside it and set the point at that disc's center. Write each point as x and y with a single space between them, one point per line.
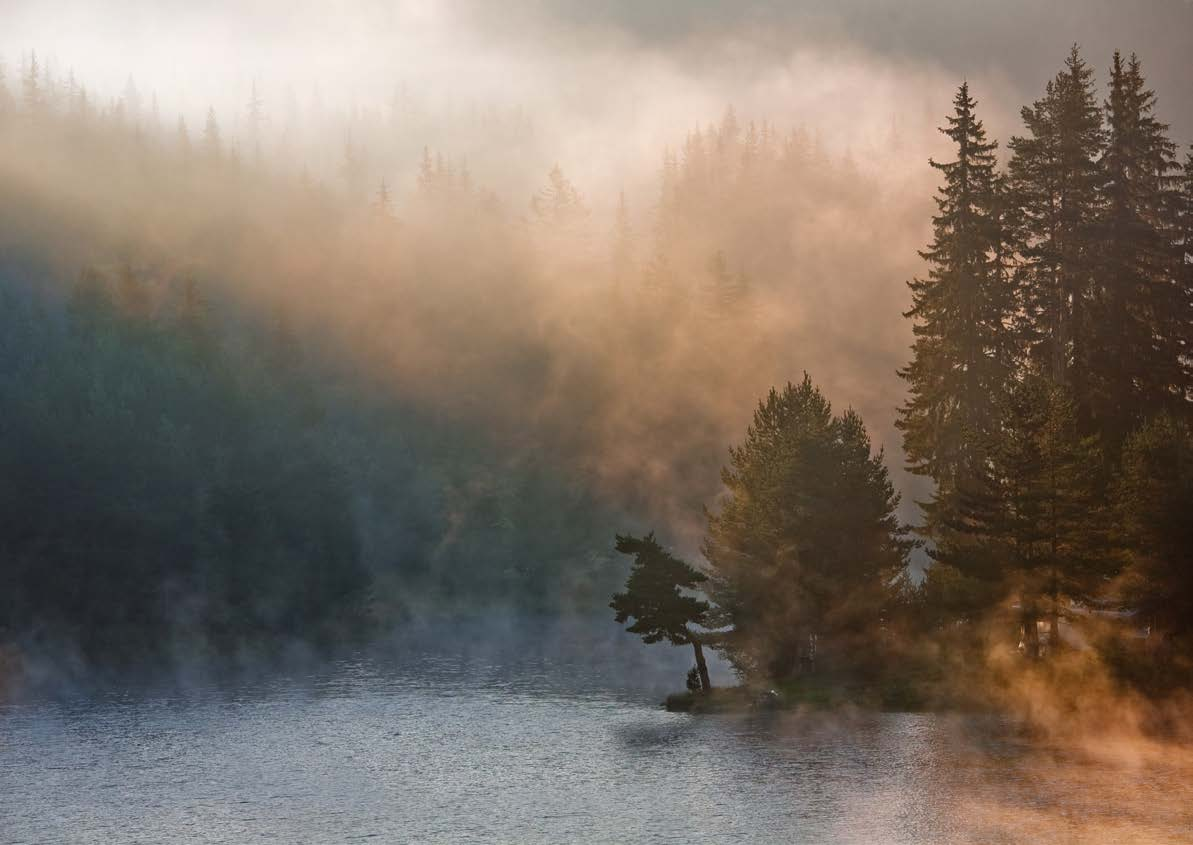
623 243
31 86
1055 178
383 204
1140 313
6 101
964 350
654 600
211 135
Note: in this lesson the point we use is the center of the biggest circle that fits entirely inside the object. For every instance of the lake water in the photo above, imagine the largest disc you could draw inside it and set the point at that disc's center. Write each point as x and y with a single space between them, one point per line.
433 747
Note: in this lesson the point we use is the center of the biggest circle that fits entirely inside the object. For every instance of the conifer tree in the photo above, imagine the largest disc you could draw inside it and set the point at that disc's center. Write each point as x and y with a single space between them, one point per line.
558 203
426 173
653 598
383 204
256 118
194 321
1055 178
1155 498
807 541
964 348
1183 219
183 138
32 87
1028 524
1139 315
211 135
132 101
5 96
623 242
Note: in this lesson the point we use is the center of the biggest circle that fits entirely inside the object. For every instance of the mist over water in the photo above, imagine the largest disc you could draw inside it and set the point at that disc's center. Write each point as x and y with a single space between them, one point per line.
338 340
521 743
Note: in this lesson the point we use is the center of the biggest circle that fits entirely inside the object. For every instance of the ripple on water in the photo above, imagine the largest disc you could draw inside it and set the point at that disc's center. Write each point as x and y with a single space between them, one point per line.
449 750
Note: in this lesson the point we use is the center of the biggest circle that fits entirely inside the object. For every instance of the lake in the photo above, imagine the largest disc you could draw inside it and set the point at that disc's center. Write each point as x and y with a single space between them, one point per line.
426 744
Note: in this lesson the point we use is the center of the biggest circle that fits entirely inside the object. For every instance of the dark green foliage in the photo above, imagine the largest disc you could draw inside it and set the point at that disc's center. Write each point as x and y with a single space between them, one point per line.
149 494
1050 506
654 598
1030 526
164 484
964 349
1141 313
1055 181
1183 226
806 544
1155 501
653 595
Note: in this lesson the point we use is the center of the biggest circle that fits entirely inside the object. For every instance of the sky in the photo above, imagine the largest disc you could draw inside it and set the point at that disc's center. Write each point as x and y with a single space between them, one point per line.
661 63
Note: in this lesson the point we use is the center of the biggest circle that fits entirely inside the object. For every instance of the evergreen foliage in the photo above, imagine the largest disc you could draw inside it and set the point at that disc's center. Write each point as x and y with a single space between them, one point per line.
655 601
964 349
806 541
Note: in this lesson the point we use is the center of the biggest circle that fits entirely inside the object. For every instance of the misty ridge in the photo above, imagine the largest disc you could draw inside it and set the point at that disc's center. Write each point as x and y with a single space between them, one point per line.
298 363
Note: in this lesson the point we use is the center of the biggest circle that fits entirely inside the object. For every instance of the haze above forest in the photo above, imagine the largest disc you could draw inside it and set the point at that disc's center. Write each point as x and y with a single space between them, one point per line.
372 189
603 89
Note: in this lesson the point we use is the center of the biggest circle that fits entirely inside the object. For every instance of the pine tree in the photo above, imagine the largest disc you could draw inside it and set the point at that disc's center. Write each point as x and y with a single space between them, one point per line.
653 599
726 291
623 243
1155 498
558 203
353 169
806 542
1183 224
6 103
132 293
183 138
32 87
132 101
194 322
1030 524
1055 179
383 204
1139 316
426 174
256 118
964 348
211 135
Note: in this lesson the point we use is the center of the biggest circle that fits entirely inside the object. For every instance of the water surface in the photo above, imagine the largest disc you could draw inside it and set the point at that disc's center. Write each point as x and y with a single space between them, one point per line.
446 748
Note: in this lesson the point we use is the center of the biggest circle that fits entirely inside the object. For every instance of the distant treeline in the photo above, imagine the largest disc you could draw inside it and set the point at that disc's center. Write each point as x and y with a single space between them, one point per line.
172 484
242 402
1051 386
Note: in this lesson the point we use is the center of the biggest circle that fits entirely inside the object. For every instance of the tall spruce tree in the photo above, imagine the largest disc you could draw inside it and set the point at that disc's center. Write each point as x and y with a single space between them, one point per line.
964 349
1139 312
1055 178
1184 239
1028 525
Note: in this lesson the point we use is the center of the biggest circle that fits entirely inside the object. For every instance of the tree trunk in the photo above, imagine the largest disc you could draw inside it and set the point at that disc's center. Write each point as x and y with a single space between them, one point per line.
1031 634
702 667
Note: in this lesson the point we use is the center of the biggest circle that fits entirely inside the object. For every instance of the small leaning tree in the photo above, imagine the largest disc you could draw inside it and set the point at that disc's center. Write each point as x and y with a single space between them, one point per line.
653 598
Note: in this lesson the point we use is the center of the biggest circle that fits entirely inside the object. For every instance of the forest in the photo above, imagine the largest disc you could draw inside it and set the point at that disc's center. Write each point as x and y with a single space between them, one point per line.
249 398
1048 401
